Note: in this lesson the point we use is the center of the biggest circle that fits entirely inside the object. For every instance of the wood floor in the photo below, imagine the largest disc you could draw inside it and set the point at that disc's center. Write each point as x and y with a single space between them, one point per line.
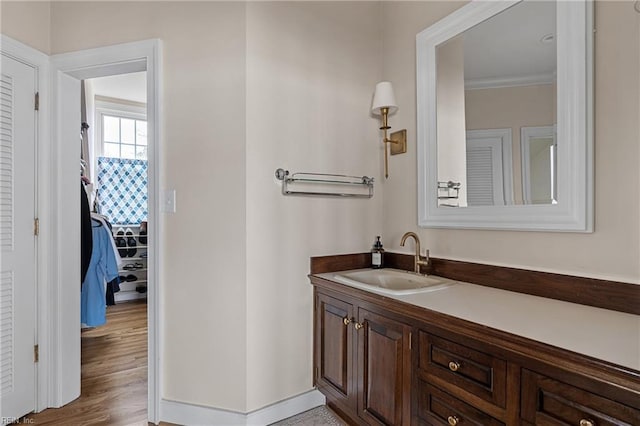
114 373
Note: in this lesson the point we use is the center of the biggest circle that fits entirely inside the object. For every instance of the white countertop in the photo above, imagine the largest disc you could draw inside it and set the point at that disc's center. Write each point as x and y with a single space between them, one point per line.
600 333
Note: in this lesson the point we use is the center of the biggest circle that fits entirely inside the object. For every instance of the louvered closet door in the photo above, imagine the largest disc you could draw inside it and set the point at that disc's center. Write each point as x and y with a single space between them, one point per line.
17 262
484 172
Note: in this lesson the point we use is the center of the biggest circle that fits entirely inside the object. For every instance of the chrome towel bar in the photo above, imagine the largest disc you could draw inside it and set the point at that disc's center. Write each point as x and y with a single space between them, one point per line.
362 185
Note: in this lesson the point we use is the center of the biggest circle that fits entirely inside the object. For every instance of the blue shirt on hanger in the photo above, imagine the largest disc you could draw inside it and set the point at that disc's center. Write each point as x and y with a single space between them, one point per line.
103 268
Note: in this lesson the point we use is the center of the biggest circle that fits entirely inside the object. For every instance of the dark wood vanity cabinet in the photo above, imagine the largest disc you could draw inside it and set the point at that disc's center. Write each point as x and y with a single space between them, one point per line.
546 401
362 362
457 384
333 349
383 362
437 407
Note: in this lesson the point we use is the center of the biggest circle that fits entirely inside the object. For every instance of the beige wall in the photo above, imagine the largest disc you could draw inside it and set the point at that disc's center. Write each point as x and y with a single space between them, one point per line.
511 108
28 22
450 121
613 250
249 88
203 270
311 70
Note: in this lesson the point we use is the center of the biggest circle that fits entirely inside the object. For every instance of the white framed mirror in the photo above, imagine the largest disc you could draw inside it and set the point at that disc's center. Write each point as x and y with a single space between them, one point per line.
504 117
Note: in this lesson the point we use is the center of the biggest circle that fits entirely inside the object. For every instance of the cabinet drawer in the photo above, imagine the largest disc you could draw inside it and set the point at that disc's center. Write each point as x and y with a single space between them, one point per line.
546 401
438 407
461 367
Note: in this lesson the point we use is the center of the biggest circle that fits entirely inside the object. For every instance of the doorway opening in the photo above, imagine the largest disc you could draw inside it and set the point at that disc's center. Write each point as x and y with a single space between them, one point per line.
115 142
64 339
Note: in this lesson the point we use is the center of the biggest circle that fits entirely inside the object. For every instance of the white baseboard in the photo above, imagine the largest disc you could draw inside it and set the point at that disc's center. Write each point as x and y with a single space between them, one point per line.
287 408
196 415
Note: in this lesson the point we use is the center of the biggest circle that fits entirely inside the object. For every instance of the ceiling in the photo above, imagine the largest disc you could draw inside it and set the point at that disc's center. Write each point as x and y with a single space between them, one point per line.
130 87
508 46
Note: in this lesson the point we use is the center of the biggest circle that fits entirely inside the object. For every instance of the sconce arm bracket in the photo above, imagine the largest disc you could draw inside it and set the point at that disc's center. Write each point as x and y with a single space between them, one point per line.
398 141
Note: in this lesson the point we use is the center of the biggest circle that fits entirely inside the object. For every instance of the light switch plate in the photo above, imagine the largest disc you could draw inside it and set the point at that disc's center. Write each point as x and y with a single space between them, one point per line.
168 201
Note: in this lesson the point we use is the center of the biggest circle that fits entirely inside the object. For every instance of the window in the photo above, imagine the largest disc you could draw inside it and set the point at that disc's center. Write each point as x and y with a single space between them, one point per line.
124 137
121 160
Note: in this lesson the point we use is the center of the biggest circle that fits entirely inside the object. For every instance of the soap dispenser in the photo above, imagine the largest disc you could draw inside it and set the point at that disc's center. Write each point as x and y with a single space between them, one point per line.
377 254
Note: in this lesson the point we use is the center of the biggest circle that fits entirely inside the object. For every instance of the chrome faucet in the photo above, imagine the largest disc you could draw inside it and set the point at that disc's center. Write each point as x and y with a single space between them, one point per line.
419 259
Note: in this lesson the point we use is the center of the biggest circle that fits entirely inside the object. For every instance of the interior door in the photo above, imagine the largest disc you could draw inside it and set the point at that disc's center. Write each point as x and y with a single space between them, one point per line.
484 172
17 239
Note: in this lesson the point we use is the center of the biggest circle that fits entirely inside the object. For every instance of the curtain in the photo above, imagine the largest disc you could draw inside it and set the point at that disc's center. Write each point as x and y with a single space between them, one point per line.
122 190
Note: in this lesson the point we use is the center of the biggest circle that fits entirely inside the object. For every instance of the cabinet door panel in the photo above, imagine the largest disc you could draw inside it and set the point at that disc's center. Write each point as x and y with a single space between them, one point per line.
334 345
383 370
546 401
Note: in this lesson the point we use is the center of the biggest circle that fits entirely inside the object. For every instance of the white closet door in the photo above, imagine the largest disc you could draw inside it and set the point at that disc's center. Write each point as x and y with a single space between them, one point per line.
17 240
484 172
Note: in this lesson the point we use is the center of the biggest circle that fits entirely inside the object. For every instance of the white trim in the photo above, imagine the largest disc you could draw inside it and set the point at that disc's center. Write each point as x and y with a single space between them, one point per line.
40 62
574 211
507 156
502 82
190 414
99 62
124 109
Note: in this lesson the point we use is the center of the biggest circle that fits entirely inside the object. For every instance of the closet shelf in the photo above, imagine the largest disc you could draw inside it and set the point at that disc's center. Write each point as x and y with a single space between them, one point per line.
128 289
133 270
129 259
134 282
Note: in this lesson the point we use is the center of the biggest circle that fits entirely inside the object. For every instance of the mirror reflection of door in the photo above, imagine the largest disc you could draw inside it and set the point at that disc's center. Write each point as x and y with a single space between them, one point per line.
489 170
539 164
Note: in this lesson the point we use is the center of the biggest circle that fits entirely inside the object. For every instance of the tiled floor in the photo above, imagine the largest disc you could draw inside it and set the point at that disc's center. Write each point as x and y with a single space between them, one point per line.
320 416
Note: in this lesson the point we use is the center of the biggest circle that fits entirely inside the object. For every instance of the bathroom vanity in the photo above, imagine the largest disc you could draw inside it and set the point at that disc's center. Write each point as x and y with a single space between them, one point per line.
470 354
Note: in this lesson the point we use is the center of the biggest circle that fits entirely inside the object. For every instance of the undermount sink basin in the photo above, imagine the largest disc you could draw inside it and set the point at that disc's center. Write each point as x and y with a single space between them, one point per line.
392 281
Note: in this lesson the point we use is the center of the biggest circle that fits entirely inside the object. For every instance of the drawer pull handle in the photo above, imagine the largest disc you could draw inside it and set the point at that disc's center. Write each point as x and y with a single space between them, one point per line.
454 366
358 325
453 420
587 422
346 321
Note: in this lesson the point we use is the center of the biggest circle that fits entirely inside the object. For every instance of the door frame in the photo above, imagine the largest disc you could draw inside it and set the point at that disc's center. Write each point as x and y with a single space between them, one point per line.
40 62
91 63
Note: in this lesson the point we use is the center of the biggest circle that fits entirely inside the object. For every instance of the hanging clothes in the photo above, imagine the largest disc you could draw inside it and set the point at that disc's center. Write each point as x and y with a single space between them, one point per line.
113 286
106 223
86 234
102 269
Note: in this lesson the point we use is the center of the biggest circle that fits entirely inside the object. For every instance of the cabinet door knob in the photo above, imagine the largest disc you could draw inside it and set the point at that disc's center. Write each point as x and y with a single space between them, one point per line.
454 366
453 420
587 422
358 325
346 321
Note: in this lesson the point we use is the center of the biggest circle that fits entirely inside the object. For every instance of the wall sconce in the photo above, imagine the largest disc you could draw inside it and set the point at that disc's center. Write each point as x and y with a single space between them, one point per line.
384 103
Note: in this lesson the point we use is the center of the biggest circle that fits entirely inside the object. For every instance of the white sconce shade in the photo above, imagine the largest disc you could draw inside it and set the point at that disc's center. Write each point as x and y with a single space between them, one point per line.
384 98
384 104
